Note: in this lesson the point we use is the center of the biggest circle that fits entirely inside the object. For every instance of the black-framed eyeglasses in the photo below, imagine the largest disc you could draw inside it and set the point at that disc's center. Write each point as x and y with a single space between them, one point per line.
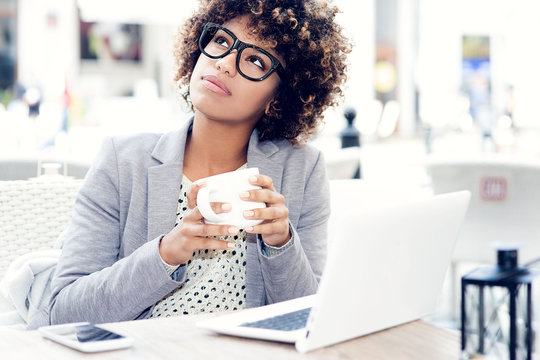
252 62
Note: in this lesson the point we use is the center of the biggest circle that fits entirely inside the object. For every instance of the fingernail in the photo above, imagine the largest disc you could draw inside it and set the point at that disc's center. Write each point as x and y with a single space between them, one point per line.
248 213
232 229
244 195
226 207
200 182
249 228
230 245
252 179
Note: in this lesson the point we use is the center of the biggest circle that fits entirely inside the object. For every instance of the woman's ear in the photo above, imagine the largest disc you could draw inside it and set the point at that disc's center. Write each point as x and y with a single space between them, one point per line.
267 109
270 103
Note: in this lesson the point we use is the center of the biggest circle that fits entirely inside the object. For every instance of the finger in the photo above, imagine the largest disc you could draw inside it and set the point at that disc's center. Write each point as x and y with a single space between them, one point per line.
202 230
202 243
268 213
220 207
268 228
214 244
192 193
192 215
263 195
262 181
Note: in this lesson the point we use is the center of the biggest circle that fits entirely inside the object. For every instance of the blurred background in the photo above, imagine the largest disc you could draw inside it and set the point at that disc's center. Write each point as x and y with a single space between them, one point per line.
426 77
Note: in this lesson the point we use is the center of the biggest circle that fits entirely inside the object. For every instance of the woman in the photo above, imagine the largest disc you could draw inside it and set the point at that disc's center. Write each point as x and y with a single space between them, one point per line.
258 75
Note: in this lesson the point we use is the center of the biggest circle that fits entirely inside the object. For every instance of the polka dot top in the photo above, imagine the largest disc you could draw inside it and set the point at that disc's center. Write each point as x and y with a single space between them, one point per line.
215 280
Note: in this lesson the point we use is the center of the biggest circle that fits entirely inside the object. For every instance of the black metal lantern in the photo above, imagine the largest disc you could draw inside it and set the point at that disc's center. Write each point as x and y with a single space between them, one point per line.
496 310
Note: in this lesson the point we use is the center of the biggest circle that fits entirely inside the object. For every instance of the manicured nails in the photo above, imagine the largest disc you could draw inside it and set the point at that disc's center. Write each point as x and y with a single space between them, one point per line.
249 228
232 230
253 179
231 245
249 213
226 207
244 195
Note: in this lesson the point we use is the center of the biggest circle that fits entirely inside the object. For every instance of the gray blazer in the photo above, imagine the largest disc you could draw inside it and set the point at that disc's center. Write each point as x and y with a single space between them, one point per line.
110 268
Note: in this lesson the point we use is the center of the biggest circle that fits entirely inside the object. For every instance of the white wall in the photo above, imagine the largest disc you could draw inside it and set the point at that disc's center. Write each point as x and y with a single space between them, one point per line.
406 61
49 55
357 18
513 28
438 69
169 12
45 51
522 59
160 19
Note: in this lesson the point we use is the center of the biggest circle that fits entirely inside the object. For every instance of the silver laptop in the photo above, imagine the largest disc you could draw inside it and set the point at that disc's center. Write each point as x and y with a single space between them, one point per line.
385 267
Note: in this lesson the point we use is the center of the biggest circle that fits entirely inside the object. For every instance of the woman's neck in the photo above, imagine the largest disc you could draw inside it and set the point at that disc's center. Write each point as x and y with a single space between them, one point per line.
213 147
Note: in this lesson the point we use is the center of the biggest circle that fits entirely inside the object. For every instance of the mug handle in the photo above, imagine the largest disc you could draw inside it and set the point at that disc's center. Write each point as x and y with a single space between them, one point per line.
203 203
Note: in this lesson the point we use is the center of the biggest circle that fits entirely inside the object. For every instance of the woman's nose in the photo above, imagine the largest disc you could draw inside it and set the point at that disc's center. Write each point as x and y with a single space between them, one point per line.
227 64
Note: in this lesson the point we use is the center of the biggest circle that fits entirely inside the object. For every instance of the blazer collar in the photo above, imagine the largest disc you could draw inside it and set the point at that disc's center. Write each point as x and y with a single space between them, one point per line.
170 147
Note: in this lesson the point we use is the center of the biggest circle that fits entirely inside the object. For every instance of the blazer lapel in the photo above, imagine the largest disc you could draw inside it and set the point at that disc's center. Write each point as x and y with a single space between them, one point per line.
264 155
164 181
163 191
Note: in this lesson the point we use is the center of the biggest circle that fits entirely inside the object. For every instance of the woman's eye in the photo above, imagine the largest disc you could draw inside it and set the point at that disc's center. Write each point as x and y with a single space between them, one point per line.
256 61
221 41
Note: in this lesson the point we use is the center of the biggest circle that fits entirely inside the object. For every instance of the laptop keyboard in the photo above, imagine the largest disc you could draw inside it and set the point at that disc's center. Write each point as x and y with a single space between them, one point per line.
286 322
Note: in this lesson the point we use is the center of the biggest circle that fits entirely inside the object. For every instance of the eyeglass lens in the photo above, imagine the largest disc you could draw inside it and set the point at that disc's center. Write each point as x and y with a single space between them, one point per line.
253 63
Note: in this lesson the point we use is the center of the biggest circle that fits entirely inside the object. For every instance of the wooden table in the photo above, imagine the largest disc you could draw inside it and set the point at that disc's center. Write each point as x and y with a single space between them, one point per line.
179 338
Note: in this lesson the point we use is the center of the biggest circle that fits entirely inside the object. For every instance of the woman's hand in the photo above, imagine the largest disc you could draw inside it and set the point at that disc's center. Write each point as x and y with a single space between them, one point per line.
275 227
191 233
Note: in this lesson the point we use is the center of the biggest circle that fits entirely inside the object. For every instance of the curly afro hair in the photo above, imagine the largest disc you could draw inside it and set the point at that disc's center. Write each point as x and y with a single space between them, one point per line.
305 34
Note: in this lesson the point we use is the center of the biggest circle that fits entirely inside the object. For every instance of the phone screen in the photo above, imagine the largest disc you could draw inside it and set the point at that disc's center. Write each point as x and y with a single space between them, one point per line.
83 333
86 337
87 333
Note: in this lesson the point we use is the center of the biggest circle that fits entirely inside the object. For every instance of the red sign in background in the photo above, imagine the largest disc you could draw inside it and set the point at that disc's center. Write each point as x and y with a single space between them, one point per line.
493 188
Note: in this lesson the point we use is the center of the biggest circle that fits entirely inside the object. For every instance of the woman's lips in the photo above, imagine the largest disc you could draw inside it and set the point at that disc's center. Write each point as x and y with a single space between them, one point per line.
212 83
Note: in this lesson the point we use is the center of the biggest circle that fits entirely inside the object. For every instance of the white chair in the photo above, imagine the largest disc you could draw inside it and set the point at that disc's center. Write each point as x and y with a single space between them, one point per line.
505 204
342 163
23 168
33 213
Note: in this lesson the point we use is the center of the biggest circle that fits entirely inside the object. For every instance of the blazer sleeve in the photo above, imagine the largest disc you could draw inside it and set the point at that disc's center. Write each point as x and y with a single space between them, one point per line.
93 281
296 271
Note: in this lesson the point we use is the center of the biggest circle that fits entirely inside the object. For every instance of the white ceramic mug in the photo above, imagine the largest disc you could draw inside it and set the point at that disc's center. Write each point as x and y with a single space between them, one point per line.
226 188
